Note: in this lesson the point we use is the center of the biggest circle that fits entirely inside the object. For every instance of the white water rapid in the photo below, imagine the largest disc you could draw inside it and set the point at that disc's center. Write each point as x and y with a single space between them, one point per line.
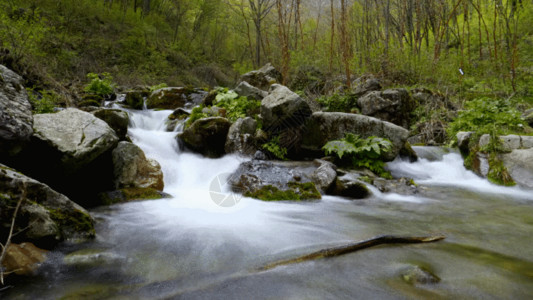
188 247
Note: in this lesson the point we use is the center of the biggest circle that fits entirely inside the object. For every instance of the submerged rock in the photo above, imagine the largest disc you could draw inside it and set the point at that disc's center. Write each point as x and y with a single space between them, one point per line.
206 136
175 97
23 259
323 127
47 216
16 119
419 275
133 170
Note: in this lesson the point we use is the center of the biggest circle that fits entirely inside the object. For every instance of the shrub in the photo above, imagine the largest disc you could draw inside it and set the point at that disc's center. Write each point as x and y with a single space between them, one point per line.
100 85
361 153
275 149
196 114
157 87
42 102
340 103
236 107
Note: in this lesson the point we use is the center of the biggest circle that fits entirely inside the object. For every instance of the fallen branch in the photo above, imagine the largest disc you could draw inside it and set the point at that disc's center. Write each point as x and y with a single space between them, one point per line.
5 246
337 251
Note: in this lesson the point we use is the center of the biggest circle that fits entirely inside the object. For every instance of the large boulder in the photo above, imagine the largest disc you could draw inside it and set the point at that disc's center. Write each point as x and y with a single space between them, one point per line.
241 137
46 217
270 181
519 164
16 119
263 77
117 119
133 169
175 97
393 105
365 84
323 127
77 136
246 89
206 136
283 108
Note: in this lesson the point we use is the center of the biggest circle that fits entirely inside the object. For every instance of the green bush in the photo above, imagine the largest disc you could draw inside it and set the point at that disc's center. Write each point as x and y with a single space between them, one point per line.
100 84
236 107
196 114
45 103
361 153
340 103
157 87
275 149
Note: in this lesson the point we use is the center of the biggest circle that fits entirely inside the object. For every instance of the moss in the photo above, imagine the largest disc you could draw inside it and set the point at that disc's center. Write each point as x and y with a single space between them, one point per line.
498 173
89 102
296 192
77 220
129 194
135 100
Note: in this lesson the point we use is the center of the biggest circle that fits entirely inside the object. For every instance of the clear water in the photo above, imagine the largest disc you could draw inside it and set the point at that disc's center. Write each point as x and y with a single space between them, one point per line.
189 247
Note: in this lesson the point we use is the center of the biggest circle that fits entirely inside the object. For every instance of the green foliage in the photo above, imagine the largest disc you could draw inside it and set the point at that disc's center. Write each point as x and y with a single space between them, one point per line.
297 191
100 84
236 107
157 87
196 114
361 153
275 149
43 102
498 173
487 115
339 103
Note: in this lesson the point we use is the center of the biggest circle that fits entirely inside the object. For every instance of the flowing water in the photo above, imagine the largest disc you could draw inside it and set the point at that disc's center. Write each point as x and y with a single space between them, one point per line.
189 247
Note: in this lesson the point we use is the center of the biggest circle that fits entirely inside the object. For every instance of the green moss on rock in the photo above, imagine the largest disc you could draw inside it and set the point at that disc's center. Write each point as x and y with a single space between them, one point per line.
130 194
77 221
296 192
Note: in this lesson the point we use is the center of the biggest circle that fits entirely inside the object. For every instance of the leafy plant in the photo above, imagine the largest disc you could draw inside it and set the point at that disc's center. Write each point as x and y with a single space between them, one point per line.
361 153
236 107
275 149
337 102
196 114
157 87
42 102
100 84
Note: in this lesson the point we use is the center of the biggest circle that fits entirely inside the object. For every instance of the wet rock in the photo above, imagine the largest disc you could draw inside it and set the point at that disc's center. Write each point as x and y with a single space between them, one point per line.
117 119
23 259
130 194
350 186
402 186
324 176
324 126
463 141
247 90
135 99
365 84
263 77
175 118
90 258
47 216
133 170
241 137
267 180
393 105
519 163
77 136
206 136
419 275
175 97
16 119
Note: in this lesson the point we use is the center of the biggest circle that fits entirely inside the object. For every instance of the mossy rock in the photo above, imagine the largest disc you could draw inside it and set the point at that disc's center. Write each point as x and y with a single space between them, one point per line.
296 192
73 222
135 99
91 100
130 194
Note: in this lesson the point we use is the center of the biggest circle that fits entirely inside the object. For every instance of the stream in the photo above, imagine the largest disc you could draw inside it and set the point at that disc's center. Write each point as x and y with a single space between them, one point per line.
189 247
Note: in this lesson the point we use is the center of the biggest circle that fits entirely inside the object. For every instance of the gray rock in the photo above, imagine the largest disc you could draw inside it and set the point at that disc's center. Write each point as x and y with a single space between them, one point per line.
241 137
133 169
393 105
175 97
509 142
48 216
263 77
519 163
365 84
324 176
323 127
419 275
526 142
117 119
175 118
246 89
349 186
463 140
206 136
78 136
16 119
283 108
528 117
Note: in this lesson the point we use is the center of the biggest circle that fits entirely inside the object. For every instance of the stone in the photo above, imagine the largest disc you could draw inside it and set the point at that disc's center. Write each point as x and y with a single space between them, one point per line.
117 119
241 137
78 136
283 108
323 127
519 164
263 77
393 105
47 216
247 90
365 84
175 97
23 259
463 141
419 275
528 117
133 170
206 136
135 99
349 186
16 120
324 176
176 118
509 142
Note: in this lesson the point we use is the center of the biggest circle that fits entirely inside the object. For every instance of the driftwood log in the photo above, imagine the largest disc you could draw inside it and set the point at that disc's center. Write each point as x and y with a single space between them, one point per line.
336 251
